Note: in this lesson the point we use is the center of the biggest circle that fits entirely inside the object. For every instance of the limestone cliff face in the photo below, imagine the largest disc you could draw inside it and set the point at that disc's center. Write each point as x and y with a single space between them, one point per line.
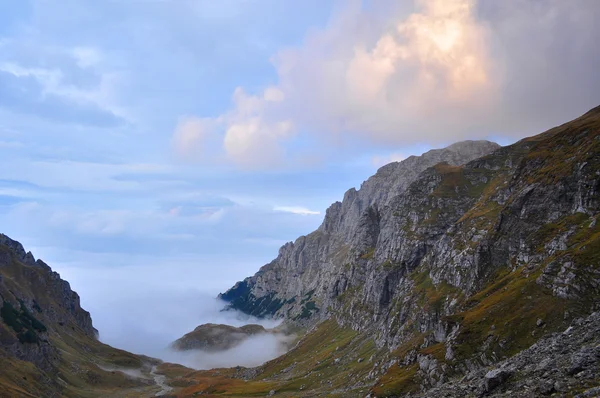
306 277
407 251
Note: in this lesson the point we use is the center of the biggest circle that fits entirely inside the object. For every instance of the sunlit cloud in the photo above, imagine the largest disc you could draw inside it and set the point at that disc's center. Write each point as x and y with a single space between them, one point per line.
445 71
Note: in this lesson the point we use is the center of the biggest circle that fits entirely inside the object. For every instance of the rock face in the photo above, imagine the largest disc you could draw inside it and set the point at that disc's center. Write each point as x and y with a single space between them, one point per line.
285 287
213 338
453 263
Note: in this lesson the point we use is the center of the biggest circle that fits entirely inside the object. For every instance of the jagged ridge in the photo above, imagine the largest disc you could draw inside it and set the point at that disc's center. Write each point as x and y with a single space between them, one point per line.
276 289
456 271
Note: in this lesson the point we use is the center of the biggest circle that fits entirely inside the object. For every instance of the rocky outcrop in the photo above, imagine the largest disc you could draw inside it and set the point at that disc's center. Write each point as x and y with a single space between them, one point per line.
211 337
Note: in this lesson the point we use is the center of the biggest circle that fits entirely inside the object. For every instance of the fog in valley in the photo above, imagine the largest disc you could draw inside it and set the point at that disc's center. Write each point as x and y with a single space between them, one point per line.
143 310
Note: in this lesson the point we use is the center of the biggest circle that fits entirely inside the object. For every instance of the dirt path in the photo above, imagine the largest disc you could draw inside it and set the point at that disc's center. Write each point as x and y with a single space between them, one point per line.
160 381
146 372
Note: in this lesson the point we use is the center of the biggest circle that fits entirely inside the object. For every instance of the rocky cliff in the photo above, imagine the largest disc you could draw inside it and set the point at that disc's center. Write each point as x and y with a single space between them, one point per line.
285 287
48 345
453 263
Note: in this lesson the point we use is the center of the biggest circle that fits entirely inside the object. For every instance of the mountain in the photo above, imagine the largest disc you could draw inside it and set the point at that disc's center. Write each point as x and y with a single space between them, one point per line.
439 266
284 287
468 271
48 345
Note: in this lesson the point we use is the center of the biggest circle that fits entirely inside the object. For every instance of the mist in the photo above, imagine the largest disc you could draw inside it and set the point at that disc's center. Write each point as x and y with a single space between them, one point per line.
143 309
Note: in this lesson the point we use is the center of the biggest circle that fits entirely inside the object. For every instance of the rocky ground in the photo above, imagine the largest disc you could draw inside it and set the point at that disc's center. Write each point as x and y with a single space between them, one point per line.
562 365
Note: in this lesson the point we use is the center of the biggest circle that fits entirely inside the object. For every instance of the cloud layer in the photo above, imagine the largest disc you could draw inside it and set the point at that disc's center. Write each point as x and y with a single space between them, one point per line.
444 71
145 315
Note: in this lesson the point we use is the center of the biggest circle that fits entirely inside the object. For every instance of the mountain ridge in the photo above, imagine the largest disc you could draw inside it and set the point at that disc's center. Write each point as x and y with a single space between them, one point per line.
456 271
342 218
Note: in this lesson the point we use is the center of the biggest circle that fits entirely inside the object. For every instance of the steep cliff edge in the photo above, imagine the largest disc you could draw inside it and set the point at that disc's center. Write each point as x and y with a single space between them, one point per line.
453 271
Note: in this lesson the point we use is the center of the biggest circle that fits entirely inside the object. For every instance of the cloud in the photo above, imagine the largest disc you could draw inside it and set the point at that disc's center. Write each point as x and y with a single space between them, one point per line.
146 314
296 210
47 92
446 70
251 140
86 176
190 137
86 57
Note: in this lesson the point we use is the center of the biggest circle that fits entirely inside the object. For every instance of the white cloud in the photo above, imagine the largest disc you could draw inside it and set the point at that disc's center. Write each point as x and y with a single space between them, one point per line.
86 57
251 138
190 136
125 307
446 71
83 176
296 210
53 81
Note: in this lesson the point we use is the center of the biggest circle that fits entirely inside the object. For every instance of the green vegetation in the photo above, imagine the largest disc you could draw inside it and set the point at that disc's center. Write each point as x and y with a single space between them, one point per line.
388 265
397 381
241 298
511 304
431 296
558 153
308 309
551 230
22 322
307 296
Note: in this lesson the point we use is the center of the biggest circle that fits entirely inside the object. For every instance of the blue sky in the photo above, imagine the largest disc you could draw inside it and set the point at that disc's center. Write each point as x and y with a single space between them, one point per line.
180 143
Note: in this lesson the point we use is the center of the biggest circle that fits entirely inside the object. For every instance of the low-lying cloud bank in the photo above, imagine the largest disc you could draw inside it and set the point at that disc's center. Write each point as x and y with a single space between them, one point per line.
143 312
254 351
148 325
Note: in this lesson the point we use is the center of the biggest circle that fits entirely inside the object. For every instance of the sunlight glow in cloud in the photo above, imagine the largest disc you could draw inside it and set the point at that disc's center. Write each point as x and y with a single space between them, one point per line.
448 70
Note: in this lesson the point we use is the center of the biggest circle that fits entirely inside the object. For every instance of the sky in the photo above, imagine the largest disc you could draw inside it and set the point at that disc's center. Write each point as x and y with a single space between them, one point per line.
169 147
